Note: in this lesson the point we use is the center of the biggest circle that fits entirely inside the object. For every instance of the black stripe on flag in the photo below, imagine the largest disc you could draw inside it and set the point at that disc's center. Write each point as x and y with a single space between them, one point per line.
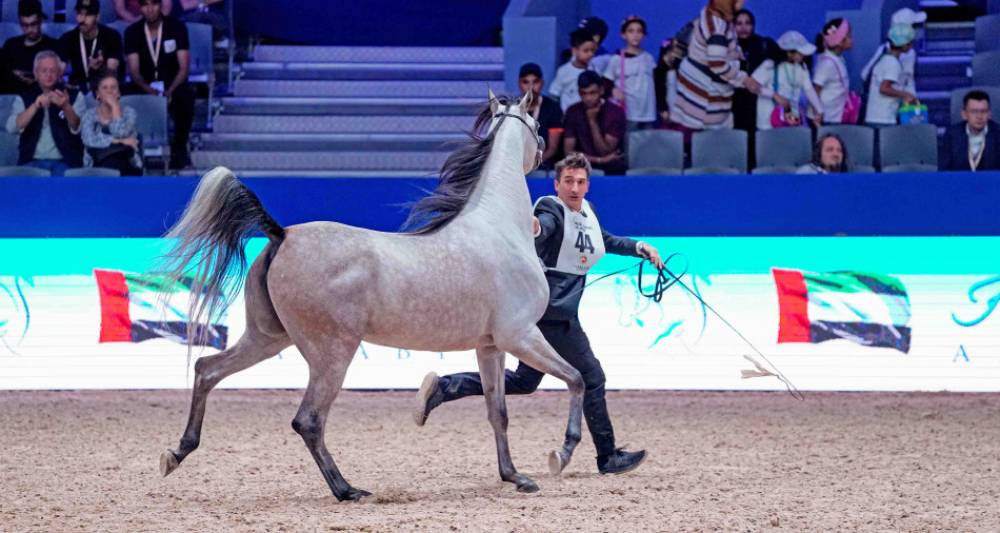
144 330
865 334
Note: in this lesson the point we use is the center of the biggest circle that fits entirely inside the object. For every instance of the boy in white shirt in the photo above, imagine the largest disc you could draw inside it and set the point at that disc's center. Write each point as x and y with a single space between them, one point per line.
887 88
563 87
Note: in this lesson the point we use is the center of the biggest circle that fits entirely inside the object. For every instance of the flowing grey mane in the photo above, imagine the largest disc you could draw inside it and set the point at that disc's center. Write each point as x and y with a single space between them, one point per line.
460 174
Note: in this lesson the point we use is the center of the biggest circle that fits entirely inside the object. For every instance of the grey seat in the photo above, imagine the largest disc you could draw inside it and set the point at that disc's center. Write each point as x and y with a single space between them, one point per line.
779 169
984 68
6 101
862 169
10 9
908 145
93 171
8 30
656 148
596 172
203 61
719 149
24 171
8 148
655 171
151 123
57 29
706 171
959 94
988 33
859 141
784 147
538 174
896 169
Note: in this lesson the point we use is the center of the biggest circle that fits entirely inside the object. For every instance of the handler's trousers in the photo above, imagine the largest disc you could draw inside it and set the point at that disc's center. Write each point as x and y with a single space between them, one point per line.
570 341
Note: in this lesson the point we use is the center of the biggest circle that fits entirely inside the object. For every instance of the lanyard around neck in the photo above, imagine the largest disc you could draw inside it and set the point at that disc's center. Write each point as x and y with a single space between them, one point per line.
85 56
154 52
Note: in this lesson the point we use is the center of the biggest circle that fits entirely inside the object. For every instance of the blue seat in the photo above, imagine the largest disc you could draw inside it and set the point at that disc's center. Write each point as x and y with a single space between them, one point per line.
984 68
719 149
93 172
151 123
8 148
24 171
656 148
784 147
988 33
908 147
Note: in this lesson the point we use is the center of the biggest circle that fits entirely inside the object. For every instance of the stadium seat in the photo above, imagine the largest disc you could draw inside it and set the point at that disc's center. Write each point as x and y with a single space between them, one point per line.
780 169
895 169
959 94
6 101
784 147
8 30
655 171
93 171
988 33
984 68
540 173
705 171
860 143
656 148
10 9
908 145
151 123
24 171
107 15
596 172
202 53
862 169
8 148
57 29
715 149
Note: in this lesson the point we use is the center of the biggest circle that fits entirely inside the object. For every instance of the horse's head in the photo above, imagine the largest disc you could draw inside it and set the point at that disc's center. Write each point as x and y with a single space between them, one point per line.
514 119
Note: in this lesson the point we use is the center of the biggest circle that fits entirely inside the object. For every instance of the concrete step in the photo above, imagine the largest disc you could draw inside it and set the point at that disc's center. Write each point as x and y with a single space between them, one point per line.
372 71
341 124
260 105
950 31
950 65
372 54
342 161
938 48
942 83
330 142
369 89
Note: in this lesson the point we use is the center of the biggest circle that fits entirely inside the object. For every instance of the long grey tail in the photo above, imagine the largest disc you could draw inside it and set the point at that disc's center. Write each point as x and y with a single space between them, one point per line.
209 249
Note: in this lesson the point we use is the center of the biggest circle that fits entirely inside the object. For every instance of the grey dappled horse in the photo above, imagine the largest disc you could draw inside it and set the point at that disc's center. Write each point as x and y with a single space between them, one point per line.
466 278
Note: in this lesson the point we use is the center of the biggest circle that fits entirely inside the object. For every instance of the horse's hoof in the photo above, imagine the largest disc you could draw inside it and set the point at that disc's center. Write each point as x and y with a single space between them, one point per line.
527 486
168 463
354 495
556 462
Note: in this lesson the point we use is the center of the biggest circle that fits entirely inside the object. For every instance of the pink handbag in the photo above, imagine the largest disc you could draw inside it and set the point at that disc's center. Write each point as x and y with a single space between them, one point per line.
852 105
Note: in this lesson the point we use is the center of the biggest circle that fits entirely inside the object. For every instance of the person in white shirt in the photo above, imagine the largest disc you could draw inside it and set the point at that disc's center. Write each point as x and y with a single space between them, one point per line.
631 70
908 60
887 87
830 77
563 86
784 83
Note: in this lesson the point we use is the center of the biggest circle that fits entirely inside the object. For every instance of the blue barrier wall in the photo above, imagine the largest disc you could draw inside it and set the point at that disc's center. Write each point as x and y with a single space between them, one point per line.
854 204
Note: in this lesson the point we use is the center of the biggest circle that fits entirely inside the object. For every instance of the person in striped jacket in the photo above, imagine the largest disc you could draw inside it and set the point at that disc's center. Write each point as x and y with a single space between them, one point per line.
711 71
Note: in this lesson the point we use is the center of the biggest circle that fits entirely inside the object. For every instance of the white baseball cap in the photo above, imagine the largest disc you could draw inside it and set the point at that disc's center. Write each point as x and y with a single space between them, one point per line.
795 41
909 16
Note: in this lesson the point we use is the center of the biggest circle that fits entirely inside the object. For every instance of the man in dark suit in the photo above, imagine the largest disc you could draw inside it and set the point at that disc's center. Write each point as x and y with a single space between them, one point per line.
973 144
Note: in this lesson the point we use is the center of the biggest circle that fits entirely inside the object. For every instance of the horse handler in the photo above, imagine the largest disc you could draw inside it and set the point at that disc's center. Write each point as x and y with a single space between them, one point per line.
569 240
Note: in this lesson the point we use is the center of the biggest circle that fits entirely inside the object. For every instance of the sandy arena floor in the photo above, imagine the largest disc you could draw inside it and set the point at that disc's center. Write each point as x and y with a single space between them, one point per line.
87 461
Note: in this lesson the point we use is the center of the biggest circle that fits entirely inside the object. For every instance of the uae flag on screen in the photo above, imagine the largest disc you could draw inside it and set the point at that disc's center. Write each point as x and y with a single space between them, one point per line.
134 309
868 309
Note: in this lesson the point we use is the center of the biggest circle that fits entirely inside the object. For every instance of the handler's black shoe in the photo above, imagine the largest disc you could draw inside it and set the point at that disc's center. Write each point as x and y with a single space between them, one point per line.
429 396
620 461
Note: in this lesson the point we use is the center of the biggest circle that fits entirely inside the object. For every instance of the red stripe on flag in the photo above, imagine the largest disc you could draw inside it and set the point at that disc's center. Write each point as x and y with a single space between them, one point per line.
116 324
793 304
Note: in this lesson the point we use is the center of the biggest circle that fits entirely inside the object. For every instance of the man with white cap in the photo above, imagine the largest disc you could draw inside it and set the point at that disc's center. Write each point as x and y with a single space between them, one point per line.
909 59
782 84
887 87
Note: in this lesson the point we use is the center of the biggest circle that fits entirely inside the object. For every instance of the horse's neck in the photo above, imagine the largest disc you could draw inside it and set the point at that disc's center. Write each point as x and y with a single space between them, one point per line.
501 197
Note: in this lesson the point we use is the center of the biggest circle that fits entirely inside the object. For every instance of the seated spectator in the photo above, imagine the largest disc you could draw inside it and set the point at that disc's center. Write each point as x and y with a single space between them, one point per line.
545 110
108 130
973 144
831 79
564 87
47 118
631 73
829 156
91 48
595 127
782 84
20 51
887 87
756 49
131 10
159 59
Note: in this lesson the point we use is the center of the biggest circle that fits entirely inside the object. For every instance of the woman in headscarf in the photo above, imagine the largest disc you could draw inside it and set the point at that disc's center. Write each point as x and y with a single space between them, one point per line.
756 49
710 73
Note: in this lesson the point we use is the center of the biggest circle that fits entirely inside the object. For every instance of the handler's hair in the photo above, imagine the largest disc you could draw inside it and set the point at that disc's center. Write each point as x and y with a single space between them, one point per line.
573 160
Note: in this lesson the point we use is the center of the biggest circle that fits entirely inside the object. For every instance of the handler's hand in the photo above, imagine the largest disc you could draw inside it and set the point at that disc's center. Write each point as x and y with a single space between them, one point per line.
536 226
651 253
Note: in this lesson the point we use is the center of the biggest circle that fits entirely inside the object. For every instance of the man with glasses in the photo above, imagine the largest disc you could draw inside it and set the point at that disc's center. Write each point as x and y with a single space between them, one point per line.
19 52
974 143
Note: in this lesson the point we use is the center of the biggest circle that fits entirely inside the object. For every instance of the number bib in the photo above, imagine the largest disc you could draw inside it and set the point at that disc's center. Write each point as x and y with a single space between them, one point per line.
582 244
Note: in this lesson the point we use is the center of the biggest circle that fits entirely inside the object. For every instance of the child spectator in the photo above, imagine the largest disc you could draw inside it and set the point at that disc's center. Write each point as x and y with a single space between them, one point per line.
19 52
595 127
886 89
631 70
908 59
90 48
108 130
544 109
831 79
783 84
131 10
563 87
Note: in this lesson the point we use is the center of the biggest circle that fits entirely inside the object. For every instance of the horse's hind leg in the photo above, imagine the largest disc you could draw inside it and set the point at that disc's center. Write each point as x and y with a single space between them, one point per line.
327 368
209 371
491 368
532 349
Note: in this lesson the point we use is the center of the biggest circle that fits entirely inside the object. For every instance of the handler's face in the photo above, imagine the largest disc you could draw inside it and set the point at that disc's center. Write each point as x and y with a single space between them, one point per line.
571 186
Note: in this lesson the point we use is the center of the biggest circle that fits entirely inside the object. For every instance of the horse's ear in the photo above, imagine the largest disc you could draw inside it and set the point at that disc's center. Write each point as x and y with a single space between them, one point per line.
526 102
494 103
